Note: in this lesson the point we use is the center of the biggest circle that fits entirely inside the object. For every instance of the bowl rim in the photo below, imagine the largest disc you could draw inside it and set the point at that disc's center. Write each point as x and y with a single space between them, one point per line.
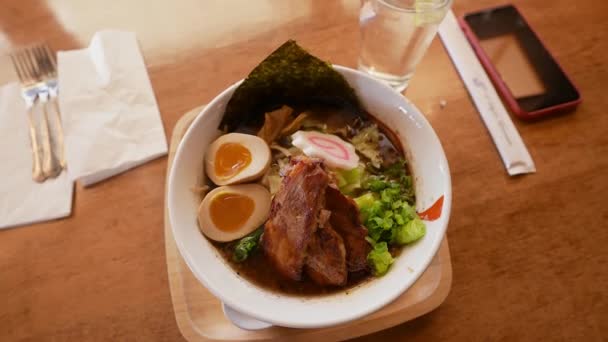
375 305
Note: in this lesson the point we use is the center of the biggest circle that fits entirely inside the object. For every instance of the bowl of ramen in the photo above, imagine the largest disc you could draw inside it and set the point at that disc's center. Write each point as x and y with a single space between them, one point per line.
308 195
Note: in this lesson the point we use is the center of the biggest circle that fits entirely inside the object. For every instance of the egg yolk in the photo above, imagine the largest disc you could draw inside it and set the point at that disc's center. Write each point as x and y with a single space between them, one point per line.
230 211
230 159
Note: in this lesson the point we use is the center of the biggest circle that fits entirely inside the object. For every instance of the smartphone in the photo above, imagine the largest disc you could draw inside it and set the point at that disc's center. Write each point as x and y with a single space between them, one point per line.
527 77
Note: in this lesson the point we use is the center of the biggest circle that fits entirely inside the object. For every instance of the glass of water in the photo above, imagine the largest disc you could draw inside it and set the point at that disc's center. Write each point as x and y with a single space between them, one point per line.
395 34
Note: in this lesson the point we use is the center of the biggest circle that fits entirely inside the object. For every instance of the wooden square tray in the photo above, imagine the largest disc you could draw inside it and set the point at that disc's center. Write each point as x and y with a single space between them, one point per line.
199 314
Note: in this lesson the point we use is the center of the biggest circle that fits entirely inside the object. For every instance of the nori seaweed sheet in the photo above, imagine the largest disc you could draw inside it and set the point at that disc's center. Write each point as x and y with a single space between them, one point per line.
288 76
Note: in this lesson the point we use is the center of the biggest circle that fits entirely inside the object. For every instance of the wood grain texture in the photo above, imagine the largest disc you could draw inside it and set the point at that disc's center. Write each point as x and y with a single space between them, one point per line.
200 317
528 253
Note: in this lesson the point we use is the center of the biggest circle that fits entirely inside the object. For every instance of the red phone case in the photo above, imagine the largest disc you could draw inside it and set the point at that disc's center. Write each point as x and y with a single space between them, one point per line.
502 87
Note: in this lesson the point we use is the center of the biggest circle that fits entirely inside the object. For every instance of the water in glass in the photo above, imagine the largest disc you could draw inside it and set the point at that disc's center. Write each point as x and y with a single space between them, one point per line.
395 34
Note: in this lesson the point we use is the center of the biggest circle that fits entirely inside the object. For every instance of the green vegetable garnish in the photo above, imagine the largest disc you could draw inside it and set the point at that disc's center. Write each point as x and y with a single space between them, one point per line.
350 180
247 245
410 232
379 259
365 202
387 211
288 76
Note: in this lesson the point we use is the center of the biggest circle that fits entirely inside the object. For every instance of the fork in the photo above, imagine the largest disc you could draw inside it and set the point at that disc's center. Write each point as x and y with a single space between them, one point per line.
36 69
25 71
48 93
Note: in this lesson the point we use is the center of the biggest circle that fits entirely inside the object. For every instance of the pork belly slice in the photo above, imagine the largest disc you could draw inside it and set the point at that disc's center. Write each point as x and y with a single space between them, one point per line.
345 220
294 215
326 261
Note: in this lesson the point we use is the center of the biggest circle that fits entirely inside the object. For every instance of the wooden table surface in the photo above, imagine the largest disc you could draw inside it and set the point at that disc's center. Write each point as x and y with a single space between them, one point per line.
530 255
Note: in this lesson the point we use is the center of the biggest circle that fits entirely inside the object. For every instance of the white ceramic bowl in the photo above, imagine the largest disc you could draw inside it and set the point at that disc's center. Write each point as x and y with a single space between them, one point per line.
432 181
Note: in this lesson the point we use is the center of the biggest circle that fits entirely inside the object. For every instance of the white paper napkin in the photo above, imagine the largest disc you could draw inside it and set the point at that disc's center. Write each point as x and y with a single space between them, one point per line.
23 201
110 117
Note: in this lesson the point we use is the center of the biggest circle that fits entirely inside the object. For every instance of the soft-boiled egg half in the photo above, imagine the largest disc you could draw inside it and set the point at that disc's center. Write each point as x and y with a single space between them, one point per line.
230 212
237 158
335 152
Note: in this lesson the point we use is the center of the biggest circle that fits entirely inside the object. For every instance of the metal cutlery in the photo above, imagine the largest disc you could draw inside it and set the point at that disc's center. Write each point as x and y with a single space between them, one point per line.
48 96
25 72
36 69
